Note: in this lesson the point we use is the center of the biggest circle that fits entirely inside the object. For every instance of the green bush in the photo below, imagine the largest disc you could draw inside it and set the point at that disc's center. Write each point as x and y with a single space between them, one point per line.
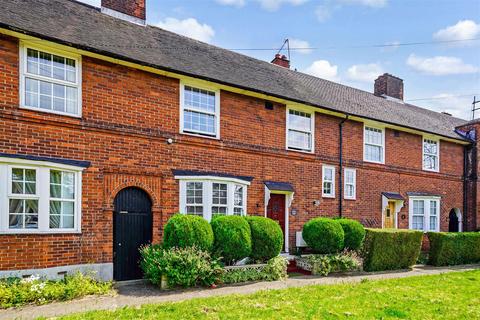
354 233
324 235
276 269
184 267
390 249
184 230
233 239
267 238
326 263
15 292
454 248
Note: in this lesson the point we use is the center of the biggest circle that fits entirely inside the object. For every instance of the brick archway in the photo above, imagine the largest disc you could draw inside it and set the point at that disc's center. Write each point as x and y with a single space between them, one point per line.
136 184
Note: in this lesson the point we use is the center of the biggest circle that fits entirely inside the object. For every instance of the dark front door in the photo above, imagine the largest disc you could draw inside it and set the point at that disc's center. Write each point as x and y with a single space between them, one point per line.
132 228
276 210
453 221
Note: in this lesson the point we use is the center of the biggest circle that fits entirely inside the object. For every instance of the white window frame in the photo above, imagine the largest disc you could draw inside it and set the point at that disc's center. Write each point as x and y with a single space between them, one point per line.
24 46
42 194
437 164
354 184
312 125
208 182
426 212
332 194
382 129
216 113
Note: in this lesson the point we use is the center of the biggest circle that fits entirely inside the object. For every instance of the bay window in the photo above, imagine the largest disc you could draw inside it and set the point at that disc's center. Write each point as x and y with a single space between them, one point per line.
425 213
206 196
50 81
300 130
36 198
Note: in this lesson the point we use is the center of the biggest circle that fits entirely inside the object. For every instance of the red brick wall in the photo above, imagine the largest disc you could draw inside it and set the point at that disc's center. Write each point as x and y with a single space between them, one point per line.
127 117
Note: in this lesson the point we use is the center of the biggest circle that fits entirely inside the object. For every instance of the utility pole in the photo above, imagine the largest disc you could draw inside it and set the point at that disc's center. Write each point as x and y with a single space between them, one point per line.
474 107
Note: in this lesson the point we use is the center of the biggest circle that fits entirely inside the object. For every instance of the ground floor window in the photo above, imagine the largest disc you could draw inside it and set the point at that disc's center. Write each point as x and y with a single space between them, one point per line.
205 197
424 213
38 198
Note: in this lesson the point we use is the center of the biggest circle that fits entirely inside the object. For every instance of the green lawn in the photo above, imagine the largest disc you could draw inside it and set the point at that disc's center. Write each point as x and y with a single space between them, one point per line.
448 296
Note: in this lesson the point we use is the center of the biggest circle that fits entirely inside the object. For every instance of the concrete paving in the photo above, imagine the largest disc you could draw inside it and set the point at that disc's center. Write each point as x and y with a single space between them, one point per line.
139 292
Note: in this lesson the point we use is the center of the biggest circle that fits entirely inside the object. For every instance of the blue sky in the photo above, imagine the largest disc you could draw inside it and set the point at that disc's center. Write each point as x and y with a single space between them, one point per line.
444 75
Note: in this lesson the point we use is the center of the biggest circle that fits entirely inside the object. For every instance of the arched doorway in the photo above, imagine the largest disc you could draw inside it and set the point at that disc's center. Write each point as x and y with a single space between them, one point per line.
455 221
132 228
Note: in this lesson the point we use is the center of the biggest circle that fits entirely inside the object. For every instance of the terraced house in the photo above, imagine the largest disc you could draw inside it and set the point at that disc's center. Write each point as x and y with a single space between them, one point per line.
108 126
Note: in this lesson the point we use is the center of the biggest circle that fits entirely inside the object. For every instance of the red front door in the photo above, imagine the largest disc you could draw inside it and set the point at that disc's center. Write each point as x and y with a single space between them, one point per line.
276 210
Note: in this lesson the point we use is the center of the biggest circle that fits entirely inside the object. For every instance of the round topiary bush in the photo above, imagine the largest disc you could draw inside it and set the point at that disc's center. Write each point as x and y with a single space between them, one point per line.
182 231
354 233
233 239
267 238
324 235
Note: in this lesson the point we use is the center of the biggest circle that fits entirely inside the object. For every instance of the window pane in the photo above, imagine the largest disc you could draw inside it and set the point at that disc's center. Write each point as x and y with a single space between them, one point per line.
373 153
219 210
328 174
299 121
327 188
194 193
417 223
23 181
16 206
219 193
429 162
62 187
299 140
350 190
198 210
197 121
373 136
15 221
238 211
433 223
238 196
201 100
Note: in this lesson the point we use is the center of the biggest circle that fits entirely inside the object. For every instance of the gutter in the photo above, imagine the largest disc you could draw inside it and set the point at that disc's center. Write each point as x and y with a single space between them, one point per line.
340 149
170 70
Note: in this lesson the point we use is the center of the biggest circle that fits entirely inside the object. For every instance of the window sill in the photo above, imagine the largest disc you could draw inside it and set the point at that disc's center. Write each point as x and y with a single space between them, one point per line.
199 135
78 116
350 199
375 162
300 151
328 197
433 171
38 232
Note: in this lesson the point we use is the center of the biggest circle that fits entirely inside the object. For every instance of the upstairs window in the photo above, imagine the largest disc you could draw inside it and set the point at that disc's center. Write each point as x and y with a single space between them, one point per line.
431 152
374 142
300 130
350 184
200 111
328 184
425 213
50 82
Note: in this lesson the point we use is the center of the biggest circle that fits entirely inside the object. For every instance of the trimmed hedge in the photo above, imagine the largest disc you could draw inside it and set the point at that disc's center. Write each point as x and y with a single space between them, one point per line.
391 249
324 235
233 238
267 238
448 249
354 233
182 231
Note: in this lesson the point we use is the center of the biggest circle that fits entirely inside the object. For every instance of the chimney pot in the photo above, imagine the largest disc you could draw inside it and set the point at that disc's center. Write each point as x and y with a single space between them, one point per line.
389 85
130 10
281 60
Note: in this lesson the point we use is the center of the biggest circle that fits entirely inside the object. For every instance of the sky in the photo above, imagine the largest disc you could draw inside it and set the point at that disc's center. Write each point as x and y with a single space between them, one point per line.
430 44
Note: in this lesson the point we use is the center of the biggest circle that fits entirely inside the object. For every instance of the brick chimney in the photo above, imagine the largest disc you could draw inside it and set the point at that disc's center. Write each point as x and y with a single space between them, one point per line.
388 85
281 60
129 10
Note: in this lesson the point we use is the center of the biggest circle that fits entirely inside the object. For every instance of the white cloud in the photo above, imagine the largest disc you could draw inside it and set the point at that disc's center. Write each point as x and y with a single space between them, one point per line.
323 69
234 3
440 65
188 27
364 72
463 30
457 106
323 13
368 3
300 44
272 5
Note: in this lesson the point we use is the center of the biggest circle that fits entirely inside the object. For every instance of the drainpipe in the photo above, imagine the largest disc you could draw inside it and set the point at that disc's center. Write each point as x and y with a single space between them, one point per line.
340 150
465 187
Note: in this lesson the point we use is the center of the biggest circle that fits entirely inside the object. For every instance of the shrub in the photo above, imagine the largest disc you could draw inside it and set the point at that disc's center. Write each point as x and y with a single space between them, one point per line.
184 231
389 249
15 292
184 267
233 239
276 269
267 238
325 264
354 233
454 248
324 235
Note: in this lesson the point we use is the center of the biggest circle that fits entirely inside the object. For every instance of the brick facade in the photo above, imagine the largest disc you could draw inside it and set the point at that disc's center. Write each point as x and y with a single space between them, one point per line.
127 117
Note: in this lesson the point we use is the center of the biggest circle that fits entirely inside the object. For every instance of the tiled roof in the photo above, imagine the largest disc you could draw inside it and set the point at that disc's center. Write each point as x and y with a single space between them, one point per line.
85 27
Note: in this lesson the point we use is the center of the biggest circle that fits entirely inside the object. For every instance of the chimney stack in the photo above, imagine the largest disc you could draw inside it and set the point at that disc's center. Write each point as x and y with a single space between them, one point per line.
129 10
387 85
281 60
